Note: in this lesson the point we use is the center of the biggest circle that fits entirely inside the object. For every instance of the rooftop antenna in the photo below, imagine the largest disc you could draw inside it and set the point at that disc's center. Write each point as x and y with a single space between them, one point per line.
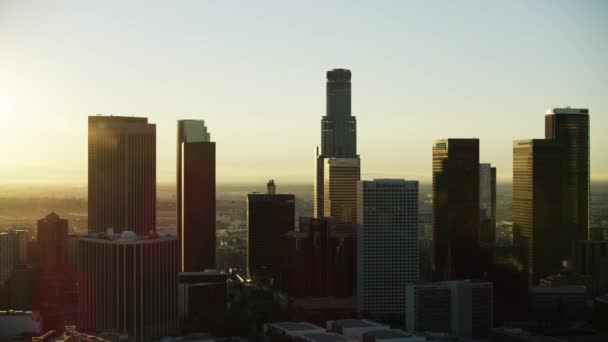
272 188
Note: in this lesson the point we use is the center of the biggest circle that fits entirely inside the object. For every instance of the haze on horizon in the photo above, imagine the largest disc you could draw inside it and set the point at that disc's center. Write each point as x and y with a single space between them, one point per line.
256 75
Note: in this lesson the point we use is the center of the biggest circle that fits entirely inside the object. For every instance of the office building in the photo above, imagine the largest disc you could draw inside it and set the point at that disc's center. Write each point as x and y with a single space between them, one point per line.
455 208
462 308
52 244
324 337
559 304
195 196
290 330
16 324
13 251
122 174
387 245
551 191
391 335
600 313
591 258
317 260
319 310
487 203
338 131
57 299
354 328
427 307
537 230
569 128
128 284
425 260
202 301
8 252
269 217
340 191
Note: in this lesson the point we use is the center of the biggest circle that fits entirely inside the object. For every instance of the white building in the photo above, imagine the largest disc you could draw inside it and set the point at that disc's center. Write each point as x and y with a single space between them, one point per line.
387 244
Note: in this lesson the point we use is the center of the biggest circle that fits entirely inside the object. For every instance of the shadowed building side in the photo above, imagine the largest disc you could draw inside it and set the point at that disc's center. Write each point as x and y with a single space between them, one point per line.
269 217
537 230
196 192
122 174
455 208
569 128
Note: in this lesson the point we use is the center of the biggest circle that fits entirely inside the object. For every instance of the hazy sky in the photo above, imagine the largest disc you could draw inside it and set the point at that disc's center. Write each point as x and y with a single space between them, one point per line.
255 72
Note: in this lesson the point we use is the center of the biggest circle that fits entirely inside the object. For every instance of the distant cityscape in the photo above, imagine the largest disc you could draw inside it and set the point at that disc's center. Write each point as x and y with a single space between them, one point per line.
342 258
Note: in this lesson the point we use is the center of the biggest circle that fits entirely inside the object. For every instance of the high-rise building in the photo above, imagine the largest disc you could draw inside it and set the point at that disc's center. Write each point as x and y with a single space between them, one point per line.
537 230
122 174
52 243
7 255
591 258
569 128
340 191
338 131
128 284
487 203
339 127
202 301
425 259
57 299
317 260
195 196
455 208
462 308
13 251
387 245
269 217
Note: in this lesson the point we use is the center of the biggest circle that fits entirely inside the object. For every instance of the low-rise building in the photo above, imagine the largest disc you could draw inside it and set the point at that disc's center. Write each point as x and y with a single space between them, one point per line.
290 329
462 308
354 328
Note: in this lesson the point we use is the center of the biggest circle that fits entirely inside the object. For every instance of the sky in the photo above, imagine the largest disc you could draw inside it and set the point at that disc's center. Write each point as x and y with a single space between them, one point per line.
255 72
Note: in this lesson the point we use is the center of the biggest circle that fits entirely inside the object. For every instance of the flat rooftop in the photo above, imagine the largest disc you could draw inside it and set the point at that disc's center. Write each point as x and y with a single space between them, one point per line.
127 237
326 337
356 323
567 110
389 334
296 326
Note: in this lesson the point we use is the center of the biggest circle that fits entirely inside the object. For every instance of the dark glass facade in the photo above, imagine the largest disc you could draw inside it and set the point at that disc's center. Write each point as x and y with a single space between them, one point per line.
537 230
269 218
339 127
196 205
122 174
487 200
56 296
455 208
569 127
317 261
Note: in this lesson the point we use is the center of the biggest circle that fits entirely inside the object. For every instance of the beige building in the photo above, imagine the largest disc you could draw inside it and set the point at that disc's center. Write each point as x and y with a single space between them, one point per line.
341 176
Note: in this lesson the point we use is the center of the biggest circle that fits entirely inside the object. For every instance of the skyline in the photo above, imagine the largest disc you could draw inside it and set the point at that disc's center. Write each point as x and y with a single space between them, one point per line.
495 85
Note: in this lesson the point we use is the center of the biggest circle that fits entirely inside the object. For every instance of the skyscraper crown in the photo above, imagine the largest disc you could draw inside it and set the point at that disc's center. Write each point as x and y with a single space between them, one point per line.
339 75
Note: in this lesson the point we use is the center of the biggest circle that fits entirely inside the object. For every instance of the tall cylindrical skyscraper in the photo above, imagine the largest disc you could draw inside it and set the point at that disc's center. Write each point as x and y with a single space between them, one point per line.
339 127
338 133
